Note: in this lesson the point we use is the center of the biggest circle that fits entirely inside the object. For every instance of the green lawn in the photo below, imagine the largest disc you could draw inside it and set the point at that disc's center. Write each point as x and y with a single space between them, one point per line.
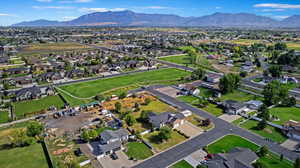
210 108
4 116
228 142
268 132
91 88
138 151
182 164
26 157
181 59
239 96
24 108
285 114
175 139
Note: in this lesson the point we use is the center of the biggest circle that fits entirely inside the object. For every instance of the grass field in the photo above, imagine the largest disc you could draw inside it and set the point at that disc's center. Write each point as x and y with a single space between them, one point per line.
27 157
92 88
55 47
176 138
138 151
182 164
210 108
245 41
268 132
4 116
295 46
285 114
228 142
24 108
239 96
180 59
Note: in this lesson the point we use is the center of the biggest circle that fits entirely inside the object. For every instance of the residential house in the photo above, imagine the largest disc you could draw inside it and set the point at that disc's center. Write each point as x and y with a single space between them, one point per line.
22 70
234 107
254 104
189 89
28 93
235 158
212 78
173 120
111 141
292 129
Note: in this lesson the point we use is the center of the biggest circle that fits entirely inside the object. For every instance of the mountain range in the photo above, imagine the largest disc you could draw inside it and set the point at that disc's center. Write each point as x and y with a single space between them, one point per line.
130 18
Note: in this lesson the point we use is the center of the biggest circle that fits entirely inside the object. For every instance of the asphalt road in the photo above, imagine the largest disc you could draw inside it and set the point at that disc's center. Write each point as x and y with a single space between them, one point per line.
221 129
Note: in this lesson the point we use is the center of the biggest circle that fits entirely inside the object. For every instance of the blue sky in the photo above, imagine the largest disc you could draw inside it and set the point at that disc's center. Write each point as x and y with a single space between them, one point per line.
13 11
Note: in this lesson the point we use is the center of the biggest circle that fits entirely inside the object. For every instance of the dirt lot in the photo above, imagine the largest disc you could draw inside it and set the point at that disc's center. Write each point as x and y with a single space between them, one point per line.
69 123
189 129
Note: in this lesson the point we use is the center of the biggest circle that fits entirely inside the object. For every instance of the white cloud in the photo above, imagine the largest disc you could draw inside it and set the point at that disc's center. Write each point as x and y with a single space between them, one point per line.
76 1
281 17
5 14
44 0
218 7
53 7
272 10
90 10
277 6
156 7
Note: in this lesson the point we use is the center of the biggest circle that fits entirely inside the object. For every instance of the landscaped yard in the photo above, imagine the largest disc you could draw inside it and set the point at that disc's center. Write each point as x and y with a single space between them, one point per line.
180 59
285 114
175 139
4 116
24 108
228 142
182 164
269 132
92 88
210 108
31 156
138 150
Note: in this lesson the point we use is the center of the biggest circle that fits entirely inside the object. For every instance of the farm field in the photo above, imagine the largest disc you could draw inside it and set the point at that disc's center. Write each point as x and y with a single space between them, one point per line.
55 47
31 156
295 46
92 88
228 142
285 114
245 41
31 107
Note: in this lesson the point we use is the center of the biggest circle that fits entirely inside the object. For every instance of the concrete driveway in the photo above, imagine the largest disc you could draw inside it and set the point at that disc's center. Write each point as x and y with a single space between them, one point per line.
291 144
189 129
169 91
122 162
229 118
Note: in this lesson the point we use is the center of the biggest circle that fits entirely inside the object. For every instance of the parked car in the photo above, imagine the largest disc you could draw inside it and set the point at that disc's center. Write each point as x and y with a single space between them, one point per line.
78 152
114 156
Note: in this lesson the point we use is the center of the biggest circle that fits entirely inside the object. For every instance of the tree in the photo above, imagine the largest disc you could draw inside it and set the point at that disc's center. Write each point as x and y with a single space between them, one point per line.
259 164
123 95
34 128
144 115
136 106
99 97
198 74
281 157
203 102
93 134
228 83
262 124
289 102
264 112
243 74
280 46
85 136
297 163
130 120
274 92
263 151
118 107
275 71
164 133
147 101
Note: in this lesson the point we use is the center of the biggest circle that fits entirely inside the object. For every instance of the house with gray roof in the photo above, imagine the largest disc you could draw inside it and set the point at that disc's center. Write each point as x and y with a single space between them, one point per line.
235 158
234 107
111 141
173 120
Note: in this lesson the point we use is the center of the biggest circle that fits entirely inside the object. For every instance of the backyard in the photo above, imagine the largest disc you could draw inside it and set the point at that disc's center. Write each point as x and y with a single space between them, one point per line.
285 114
92 88
228 142
25 108
4 117
138 150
